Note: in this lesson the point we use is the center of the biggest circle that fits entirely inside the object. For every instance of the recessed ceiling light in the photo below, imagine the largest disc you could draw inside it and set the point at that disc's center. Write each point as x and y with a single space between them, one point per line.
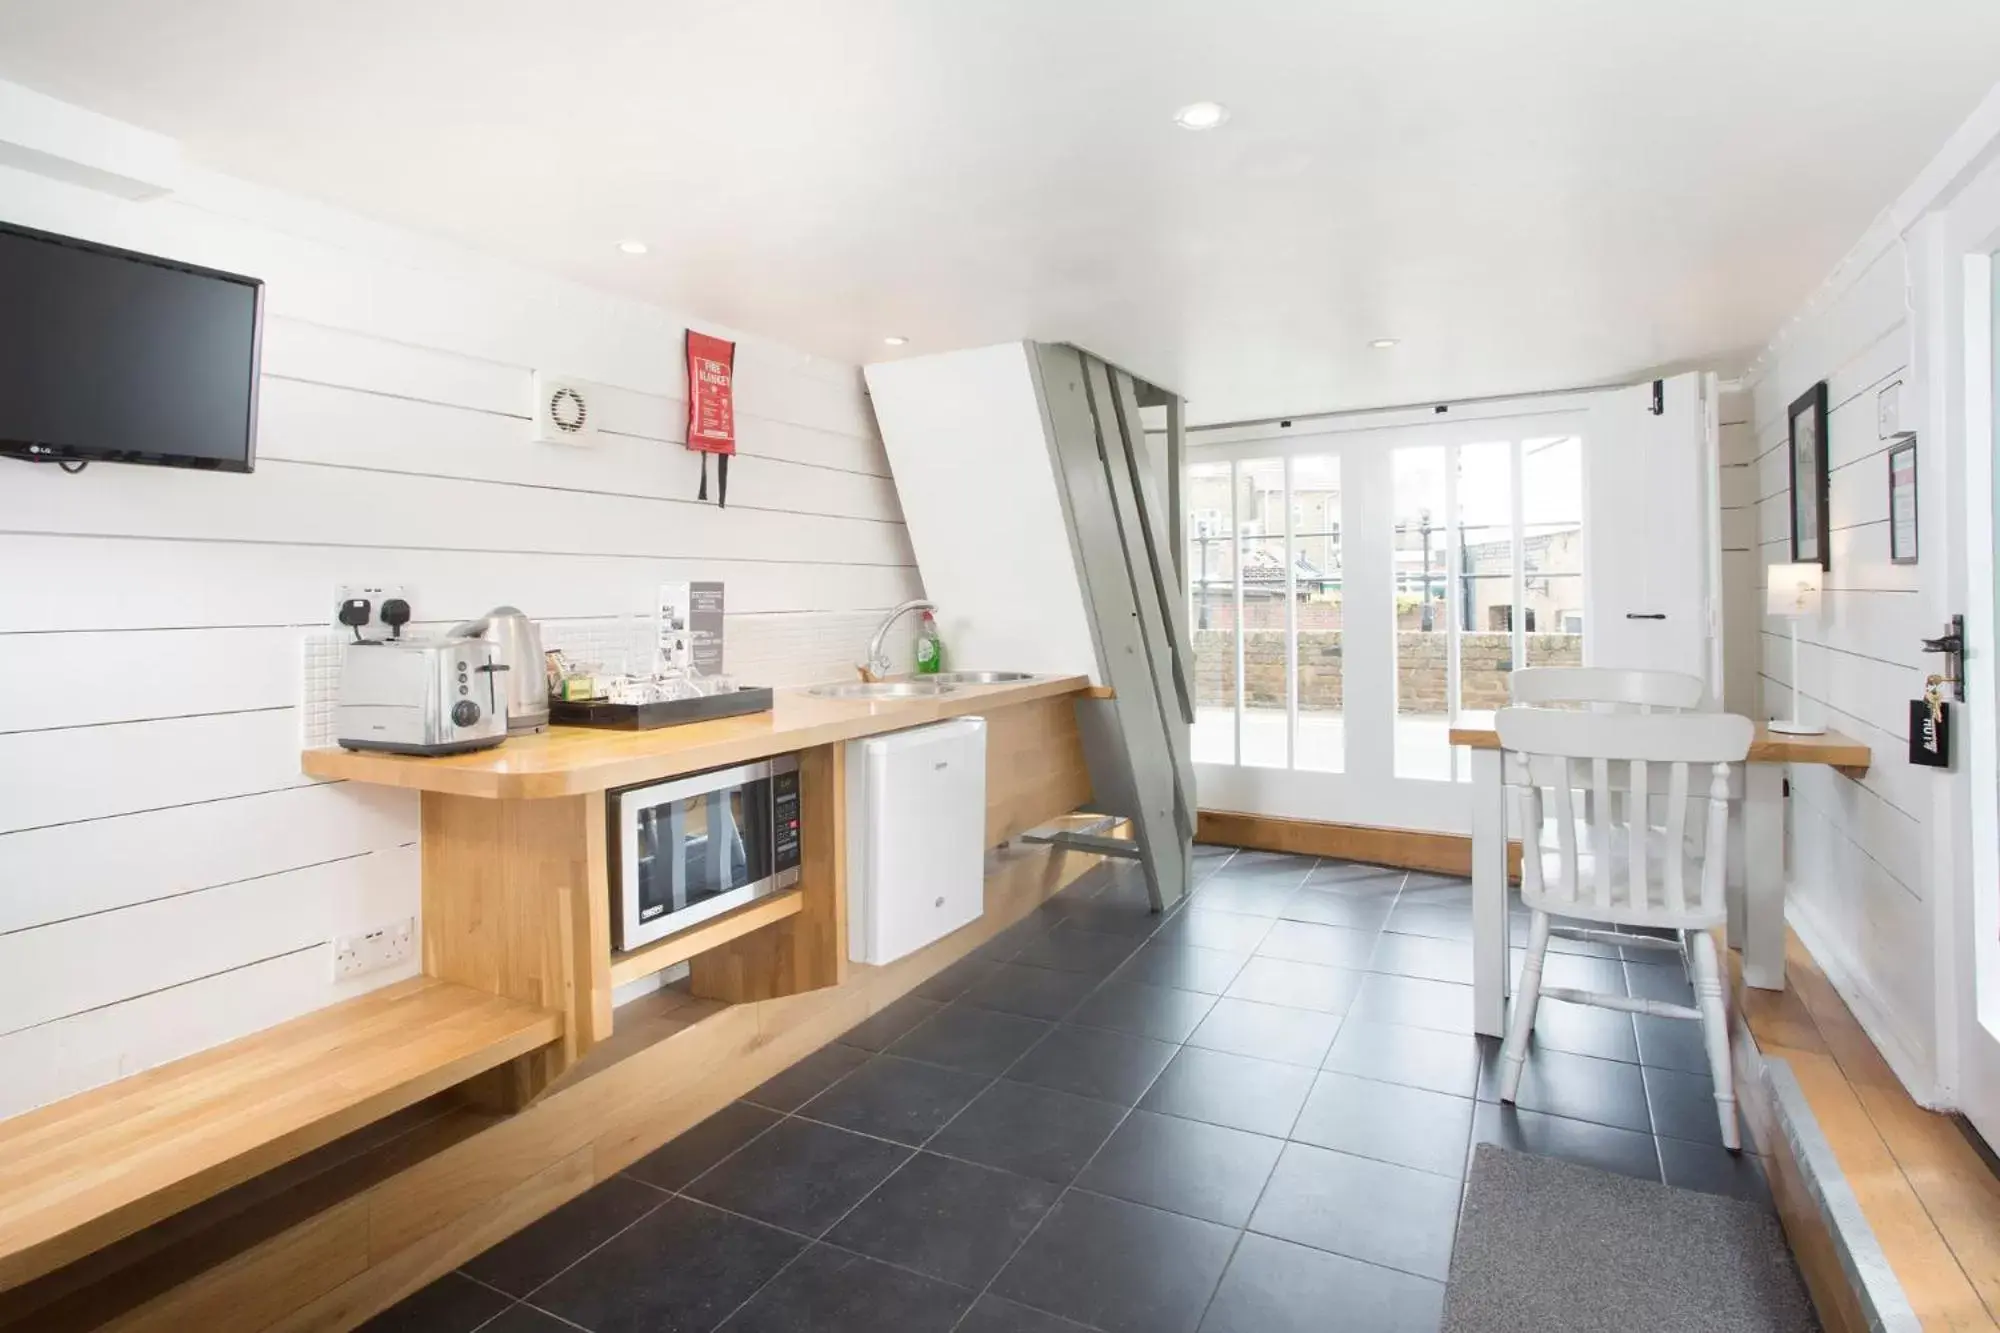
633 247
1201 115
1384 344
895 340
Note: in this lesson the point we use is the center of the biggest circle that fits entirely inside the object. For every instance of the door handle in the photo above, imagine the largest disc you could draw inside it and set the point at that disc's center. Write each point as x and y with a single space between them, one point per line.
1645 615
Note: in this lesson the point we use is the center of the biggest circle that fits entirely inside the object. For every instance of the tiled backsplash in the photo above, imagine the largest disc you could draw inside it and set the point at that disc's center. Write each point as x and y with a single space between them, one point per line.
791 649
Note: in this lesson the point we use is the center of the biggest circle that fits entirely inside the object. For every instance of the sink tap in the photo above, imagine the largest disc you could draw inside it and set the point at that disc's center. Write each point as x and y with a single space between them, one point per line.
877 665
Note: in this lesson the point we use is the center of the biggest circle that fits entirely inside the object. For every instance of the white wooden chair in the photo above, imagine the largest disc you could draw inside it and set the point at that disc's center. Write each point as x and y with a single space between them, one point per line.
1608 689
1617 867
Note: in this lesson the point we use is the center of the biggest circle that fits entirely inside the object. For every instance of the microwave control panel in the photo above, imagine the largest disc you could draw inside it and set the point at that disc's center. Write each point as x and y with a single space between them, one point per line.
785 819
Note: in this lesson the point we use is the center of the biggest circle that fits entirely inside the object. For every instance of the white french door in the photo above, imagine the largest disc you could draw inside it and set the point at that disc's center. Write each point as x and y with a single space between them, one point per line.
1355 593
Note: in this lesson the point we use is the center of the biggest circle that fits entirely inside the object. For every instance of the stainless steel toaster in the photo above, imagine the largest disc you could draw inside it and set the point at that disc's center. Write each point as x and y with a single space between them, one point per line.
421 696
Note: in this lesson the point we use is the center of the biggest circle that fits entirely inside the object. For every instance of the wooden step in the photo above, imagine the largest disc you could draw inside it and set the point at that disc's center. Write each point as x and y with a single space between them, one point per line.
93 1168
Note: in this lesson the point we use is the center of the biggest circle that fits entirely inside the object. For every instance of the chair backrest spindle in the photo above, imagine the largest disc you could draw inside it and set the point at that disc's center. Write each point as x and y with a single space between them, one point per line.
1636 867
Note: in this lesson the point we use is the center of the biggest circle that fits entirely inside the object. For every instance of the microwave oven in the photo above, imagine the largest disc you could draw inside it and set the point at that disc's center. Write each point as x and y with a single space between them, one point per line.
699 846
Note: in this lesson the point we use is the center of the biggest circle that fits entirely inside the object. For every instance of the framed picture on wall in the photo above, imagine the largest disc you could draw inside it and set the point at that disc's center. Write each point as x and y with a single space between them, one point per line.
1903 501
1807 418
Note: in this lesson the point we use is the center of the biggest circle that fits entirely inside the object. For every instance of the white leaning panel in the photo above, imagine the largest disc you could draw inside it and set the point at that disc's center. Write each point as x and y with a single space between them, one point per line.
969 448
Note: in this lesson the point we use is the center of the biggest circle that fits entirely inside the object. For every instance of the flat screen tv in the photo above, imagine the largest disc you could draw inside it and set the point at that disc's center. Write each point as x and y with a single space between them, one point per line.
107 355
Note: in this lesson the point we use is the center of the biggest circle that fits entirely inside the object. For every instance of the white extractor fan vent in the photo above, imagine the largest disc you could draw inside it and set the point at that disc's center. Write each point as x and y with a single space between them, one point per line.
565 410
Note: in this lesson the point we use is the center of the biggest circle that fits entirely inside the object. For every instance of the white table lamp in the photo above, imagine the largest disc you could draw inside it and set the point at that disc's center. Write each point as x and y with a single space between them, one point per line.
1794 594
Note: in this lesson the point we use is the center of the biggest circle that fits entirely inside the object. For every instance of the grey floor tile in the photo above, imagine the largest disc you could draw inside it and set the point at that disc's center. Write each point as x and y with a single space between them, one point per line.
990 1314
1088 952
1585 1029
1339 909
1621 1150
1655 982
1231 1090
1328 874
1329 990
1267 1032
1251 863
1159 1012
537 1252
881 1028
1671 1043
527 1319
1091 1062
700 1148
1183 967
1431 920
1414 1057
947 1219
1388 1122
1251 895
1119 1266
955 980
1037 992
1274 1286
893 1098
827 1290
1184 1166
1211 928
718 1261
1414 1002
1309 942
801 1176
1579 1087
968 1038
1002 947
1683 1107
1395 1216
1031 1131
1713 1169
1422 956
452 1304
807 1078
1576 972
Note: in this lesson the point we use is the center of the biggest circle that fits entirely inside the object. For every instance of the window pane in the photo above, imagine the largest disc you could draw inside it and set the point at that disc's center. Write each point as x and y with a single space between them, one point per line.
1552 549
1422 717
1484 589
1319 743
1260 524
1211 567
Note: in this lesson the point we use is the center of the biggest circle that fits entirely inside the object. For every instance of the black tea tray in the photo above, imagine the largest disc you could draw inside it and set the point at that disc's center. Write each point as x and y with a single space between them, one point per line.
670 713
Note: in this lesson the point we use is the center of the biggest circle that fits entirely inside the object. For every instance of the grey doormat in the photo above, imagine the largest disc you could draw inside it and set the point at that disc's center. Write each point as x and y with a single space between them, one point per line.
1552 1247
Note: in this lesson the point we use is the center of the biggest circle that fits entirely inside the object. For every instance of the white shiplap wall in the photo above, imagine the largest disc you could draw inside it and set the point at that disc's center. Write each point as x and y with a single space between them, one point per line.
1858 894
168 878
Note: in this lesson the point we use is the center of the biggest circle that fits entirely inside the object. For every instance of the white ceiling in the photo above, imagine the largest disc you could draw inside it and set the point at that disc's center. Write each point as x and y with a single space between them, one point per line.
1529 193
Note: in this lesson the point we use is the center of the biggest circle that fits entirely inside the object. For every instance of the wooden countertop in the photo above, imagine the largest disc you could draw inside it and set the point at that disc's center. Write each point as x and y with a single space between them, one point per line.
566 761
1767 747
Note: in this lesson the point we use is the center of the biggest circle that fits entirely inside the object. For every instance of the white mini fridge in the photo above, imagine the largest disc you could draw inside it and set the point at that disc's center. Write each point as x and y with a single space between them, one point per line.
916 837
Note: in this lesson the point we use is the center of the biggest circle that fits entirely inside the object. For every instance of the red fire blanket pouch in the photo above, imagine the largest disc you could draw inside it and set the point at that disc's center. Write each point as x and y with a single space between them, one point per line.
711 368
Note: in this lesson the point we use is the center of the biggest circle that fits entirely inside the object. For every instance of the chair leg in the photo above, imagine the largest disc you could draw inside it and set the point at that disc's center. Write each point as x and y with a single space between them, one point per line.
1715 1032
1521 1021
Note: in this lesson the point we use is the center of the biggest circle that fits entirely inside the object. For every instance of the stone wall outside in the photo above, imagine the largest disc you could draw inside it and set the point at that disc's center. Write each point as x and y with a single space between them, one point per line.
1484 661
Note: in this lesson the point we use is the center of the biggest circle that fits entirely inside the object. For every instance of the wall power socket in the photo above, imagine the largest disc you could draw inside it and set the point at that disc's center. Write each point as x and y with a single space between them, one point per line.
385 946
374 594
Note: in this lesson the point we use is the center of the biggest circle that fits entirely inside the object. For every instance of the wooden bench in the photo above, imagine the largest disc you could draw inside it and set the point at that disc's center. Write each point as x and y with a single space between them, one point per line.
91 1169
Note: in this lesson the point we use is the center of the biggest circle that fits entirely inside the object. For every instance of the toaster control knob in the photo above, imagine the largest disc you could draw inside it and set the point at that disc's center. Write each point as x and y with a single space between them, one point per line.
465 712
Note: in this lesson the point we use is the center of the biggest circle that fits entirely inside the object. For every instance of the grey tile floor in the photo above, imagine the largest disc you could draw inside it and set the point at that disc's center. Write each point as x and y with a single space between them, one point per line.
1236 1118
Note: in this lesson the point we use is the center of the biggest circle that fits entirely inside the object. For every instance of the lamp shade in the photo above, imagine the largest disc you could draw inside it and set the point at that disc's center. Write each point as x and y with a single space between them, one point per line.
1793 591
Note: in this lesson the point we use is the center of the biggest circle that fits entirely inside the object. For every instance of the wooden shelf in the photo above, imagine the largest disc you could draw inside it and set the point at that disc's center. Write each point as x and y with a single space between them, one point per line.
94 1168
663 954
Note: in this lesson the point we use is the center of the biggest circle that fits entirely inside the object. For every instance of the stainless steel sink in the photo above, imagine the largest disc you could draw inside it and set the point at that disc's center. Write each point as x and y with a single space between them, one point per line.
929 688
982 677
